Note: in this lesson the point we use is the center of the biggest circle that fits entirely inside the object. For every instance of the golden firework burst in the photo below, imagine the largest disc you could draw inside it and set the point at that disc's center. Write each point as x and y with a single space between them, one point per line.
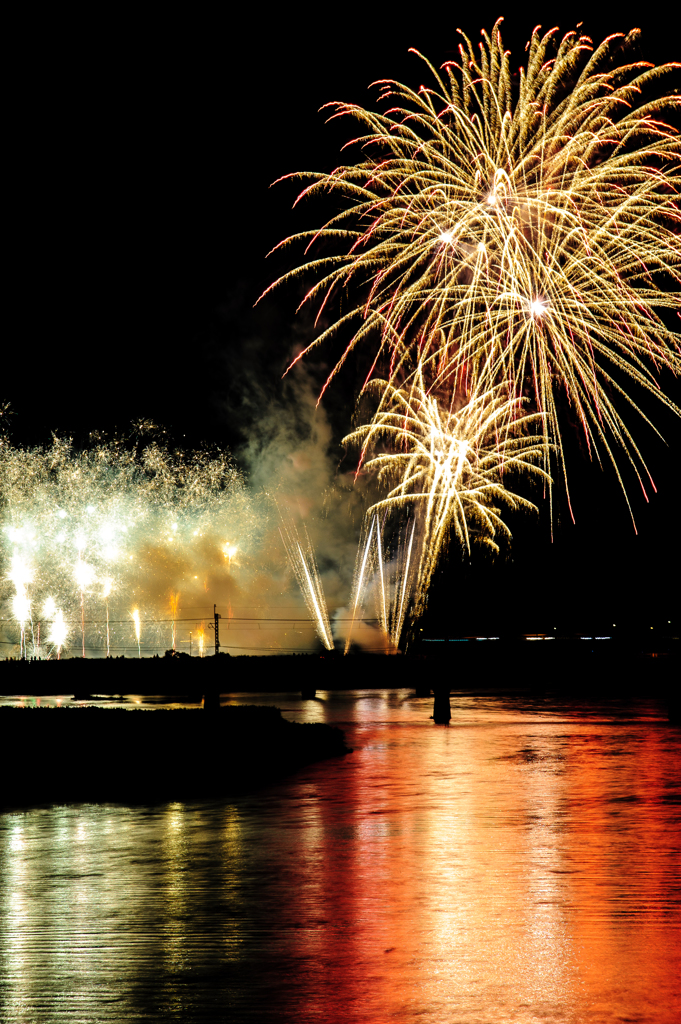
452 467
522 231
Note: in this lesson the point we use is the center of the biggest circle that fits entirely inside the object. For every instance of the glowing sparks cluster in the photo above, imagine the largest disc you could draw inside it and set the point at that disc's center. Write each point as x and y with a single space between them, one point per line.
83 530
504 239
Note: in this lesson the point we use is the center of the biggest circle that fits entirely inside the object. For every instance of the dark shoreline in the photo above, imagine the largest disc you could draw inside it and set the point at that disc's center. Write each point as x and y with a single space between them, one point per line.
112 755
563 666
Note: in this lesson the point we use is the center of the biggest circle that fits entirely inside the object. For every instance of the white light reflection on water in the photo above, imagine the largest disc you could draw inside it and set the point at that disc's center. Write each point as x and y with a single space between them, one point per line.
522 865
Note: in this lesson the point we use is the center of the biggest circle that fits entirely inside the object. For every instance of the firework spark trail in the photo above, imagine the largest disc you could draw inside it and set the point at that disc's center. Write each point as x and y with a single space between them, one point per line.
374 563
84 575
306 572
59 632
402 581
21 609
21 575
359 584
108 585
525 235
174 602
138 630
383 607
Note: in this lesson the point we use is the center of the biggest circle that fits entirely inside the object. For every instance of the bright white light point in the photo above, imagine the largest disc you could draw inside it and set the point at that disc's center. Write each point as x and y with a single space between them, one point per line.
446 237
174 526
538 307
84 574
481 247
59 630
21 607
91 508
60 538
20 573
62 514
49 608
492 199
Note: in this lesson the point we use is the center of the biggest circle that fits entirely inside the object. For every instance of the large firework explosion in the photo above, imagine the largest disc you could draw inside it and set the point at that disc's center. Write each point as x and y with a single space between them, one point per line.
524 232
513 236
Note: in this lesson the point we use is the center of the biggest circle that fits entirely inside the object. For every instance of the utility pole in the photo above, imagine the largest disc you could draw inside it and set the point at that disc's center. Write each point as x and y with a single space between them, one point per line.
216 620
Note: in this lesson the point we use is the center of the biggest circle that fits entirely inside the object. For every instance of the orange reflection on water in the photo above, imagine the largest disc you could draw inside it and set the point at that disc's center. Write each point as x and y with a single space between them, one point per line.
521 865
500 869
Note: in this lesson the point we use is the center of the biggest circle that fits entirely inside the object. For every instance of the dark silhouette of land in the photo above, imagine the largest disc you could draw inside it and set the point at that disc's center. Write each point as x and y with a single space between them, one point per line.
66 754
585 667
92 754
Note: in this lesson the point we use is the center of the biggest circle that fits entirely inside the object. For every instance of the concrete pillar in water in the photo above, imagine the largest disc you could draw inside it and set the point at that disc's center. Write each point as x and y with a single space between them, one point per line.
211 701
442 712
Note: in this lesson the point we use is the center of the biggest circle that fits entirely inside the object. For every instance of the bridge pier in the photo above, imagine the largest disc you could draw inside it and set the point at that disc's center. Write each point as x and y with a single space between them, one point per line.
442 711
211 700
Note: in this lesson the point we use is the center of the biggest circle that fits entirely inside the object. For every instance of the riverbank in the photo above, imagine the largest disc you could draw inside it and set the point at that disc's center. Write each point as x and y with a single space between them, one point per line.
85 754
590 667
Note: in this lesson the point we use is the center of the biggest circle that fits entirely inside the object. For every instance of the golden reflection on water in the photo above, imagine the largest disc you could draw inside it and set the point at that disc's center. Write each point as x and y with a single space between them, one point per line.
521 865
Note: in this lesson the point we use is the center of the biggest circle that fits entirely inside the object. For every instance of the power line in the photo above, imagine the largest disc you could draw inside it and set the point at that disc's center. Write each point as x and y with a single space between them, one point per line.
196 618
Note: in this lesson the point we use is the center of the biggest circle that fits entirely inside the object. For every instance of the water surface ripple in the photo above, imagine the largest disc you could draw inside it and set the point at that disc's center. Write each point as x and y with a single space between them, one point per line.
521 865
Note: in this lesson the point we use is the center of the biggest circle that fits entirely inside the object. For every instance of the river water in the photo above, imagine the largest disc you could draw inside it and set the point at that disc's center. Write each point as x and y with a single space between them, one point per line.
521 865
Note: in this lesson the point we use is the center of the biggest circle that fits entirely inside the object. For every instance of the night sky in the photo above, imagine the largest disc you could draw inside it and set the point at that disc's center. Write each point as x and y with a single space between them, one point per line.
142 150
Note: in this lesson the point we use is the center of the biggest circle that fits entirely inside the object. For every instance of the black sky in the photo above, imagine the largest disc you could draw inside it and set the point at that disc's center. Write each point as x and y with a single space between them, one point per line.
141 150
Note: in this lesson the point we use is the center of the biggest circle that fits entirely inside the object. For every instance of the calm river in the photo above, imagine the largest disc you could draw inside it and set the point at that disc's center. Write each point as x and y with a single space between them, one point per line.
521 865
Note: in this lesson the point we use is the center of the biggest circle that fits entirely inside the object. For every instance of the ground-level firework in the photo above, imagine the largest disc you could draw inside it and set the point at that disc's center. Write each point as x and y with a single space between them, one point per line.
386 576
302 560
98 545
